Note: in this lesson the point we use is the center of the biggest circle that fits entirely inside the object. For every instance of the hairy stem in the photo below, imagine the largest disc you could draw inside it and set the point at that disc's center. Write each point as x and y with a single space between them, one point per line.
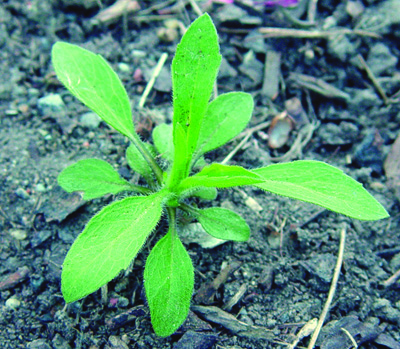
148 157
172 220
141 190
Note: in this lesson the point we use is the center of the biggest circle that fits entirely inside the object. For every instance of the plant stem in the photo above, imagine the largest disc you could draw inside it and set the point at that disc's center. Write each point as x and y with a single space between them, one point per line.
141 190
188 209
148 157
172 221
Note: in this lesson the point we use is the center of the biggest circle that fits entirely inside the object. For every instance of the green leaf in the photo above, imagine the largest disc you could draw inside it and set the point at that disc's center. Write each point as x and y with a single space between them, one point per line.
91 79
225 118
138 163
168 281
206 193
220 176
94 177
180 165
162 139
107 245
223 224
321 184
194 70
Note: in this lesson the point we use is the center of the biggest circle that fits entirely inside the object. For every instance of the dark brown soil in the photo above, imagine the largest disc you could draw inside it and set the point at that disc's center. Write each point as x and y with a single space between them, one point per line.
283 272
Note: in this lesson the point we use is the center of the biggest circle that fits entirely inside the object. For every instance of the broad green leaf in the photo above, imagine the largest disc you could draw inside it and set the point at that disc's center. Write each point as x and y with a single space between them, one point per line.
138 163
321 184
91 79
194 70
223 224
225 118
107 245
94 177
162 139
168 282
220 176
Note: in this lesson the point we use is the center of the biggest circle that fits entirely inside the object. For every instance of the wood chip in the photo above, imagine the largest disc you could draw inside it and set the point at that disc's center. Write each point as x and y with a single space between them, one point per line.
11 280
207 291
228 321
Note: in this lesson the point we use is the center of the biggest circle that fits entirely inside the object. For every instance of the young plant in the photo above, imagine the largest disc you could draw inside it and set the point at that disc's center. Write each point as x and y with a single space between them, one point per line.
115 235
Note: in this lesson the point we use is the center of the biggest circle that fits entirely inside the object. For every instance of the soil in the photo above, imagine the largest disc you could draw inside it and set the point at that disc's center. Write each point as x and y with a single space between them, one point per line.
270 286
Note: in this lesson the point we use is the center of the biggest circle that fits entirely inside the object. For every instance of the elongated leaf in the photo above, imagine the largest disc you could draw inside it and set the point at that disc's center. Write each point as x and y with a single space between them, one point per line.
225 118
194 70
223 224
180 166
138 163
107 245
168 281
90 79
206 193
162 139
323 185
221 176
94 177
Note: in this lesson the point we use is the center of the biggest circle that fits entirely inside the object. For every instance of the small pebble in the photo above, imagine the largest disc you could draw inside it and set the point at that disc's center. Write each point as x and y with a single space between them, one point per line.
18 234
123 67
22 193
51 104
378 186
381 60
12 303
38 344
384 309
138 53
123 302
33 92
11 112
90 120
40 188
167 34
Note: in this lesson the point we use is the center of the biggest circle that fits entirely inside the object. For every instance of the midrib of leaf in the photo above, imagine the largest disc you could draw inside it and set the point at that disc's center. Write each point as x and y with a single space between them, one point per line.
120 236
167 282
127 184
190 127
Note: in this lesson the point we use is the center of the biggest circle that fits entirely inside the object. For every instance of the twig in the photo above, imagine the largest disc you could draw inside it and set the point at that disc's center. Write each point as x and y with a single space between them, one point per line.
303 137
372 77
272 32
331 290
5 215
250 202
156 7
348 334
151 18
281 236
312 9
305 331
196 7
246 134
295 21
392 279
154 76
236 149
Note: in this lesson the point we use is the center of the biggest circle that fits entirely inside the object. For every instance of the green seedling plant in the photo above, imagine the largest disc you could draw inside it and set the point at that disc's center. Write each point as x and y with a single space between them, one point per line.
174 169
